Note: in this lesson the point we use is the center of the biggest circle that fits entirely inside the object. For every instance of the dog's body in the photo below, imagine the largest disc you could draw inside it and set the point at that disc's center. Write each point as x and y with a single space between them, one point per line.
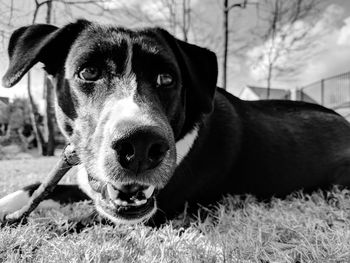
153 134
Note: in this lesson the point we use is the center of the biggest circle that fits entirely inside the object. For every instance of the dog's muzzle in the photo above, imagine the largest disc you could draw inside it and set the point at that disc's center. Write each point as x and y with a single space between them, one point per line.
136 165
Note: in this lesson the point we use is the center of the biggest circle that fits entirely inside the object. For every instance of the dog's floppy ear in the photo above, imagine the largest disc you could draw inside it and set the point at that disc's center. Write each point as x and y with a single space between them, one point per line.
39 43
199 71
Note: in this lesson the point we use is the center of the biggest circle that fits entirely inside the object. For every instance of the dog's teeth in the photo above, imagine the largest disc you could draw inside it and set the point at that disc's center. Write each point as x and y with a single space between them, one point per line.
120 202
140 202
112 193
149 191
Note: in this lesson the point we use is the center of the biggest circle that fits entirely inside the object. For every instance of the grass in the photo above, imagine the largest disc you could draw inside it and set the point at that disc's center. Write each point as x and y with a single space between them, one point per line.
301 228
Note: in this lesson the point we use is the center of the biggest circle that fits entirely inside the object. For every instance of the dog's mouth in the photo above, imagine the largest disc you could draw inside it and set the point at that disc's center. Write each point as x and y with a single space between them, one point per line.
125 202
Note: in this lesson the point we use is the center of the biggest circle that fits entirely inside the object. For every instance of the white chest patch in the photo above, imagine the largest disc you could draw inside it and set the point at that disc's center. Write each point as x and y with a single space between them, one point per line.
185 144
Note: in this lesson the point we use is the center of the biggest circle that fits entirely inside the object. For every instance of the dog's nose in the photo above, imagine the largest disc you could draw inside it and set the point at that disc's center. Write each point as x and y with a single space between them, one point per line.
141 150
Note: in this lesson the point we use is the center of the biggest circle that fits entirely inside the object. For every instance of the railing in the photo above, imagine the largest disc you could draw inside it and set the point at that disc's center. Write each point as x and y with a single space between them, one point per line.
333 92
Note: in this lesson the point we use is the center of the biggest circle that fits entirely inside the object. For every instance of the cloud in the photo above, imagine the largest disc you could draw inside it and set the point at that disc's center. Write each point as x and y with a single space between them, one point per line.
334 58
321 37
344 34
276 51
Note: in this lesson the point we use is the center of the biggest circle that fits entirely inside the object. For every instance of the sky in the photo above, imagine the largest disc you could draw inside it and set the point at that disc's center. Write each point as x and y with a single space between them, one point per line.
330 56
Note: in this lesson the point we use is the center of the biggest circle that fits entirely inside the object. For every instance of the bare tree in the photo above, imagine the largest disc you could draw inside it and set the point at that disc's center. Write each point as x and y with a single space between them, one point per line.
50 114
288 30
186 18
179 18
45 147
174 15
42 145
226 11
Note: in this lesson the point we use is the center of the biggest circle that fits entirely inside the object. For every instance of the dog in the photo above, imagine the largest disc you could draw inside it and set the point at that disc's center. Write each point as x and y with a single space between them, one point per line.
153 132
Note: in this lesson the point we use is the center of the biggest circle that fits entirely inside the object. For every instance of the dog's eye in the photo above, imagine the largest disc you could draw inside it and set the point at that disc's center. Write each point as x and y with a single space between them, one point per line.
89 73
164 79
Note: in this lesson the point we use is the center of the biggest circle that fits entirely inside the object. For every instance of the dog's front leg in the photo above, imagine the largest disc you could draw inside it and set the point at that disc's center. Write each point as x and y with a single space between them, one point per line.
18 205
13 202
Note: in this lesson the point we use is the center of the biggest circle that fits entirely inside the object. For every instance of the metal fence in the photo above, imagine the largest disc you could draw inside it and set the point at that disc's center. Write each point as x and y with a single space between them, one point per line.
333 92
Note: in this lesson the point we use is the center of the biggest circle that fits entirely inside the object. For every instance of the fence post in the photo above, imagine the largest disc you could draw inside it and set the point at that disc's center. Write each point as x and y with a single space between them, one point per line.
293 93
322 92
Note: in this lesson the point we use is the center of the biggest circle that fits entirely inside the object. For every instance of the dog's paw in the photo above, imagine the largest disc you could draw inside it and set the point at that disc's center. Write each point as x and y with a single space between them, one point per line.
3 215
12 202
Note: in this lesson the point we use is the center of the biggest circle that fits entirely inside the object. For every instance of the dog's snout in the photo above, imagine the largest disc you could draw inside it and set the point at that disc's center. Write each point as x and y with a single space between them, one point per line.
140 150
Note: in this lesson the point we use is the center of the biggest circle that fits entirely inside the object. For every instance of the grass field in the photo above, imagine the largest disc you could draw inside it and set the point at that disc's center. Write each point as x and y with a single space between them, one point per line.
299 229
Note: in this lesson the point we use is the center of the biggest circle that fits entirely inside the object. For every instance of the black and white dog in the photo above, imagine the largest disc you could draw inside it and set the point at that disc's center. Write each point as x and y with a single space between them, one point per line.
153 132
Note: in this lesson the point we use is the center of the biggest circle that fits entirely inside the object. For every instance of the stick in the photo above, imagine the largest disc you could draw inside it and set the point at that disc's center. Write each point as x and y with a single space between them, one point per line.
66 162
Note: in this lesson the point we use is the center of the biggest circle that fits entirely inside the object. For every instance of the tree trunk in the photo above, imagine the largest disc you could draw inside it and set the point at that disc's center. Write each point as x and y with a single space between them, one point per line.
50 118
34 119
23 140
269 77
34 115
186 18
225 27
50 114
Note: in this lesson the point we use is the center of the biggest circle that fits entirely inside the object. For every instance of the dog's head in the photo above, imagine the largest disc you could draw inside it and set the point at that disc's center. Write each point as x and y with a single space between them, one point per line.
124 98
